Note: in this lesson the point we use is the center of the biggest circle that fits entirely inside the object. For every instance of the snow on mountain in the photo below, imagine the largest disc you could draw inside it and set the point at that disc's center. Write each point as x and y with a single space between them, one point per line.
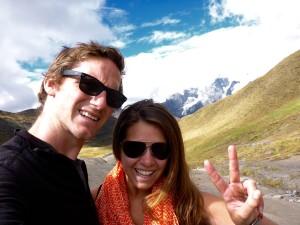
193 99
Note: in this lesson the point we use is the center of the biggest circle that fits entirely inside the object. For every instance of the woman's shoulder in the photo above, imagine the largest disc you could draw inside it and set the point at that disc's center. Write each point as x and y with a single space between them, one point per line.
95 191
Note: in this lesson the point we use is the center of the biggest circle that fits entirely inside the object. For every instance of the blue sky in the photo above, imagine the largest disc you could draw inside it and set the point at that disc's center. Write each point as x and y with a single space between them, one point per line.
169 45
157 23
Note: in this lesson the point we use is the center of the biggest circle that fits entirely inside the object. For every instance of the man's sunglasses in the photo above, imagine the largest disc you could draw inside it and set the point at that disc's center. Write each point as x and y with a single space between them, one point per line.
93 87
135 149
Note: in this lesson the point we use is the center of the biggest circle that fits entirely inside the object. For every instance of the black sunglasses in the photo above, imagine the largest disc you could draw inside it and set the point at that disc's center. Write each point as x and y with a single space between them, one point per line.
93 87
135 149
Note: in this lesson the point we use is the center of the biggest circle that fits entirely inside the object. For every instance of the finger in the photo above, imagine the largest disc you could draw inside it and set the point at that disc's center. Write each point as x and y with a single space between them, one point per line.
254 196
261 205
248 210
234 171
250 186
215 177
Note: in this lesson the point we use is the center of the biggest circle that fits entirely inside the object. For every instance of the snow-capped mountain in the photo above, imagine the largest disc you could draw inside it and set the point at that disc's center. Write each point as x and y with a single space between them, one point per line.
193 99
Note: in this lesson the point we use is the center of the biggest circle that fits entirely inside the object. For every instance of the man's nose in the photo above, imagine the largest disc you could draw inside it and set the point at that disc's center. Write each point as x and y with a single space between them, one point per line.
99 101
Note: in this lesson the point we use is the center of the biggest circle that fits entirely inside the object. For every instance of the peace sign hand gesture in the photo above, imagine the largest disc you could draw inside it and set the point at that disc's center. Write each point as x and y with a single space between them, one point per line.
242 198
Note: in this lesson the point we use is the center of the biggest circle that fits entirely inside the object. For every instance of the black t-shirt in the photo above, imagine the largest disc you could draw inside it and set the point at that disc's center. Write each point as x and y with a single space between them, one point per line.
39 186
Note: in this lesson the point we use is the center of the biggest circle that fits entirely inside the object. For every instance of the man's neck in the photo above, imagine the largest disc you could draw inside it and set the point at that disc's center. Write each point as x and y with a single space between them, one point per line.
63 141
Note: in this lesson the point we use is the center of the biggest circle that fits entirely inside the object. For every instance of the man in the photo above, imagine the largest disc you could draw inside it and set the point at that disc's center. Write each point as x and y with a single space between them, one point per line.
41 180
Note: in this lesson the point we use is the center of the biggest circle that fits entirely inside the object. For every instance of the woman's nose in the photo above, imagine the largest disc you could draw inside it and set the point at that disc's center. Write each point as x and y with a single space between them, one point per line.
147 157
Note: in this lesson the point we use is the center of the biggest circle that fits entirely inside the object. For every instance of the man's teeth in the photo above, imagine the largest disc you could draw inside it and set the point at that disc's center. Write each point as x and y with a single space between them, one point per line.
144 172
86 114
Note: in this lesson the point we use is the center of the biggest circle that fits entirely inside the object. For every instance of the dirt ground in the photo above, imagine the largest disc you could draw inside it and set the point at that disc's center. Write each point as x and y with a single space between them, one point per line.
282 211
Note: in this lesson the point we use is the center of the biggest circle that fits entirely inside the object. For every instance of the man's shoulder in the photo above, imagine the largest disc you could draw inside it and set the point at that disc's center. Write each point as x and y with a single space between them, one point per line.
14 143
12 149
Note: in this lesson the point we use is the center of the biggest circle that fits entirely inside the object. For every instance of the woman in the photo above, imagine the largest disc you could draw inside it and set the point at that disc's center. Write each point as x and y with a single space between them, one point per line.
150 183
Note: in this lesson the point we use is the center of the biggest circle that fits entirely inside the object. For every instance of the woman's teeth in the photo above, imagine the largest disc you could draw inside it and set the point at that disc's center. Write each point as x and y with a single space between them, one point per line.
144 172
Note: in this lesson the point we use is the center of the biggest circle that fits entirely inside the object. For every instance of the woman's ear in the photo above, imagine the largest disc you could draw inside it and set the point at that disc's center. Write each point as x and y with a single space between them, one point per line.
50 86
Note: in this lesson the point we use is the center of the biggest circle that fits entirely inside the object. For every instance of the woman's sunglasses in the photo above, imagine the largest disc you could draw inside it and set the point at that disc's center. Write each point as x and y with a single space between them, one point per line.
93 87
135 149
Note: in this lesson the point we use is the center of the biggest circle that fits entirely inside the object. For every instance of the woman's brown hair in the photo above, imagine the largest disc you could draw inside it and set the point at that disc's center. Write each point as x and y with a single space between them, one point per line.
188 200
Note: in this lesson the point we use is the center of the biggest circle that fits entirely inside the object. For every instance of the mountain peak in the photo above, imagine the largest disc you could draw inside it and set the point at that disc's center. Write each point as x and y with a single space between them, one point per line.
194 98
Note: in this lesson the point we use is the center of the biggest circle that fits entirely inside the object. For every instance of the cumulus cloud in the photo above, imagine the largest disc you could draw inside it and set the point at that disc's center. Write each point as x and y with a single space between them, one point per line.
34 31
267 32
264 32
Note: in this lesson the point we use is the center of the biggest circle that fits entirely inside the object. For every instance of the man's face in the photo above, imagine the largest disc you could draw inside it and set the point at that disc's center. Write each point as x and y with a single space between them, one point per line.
77 113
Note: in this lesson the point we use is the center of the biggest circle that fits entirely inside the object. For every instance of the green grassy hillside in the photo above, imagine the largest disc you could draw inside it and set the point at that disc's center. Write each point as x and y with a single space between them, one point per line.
262 119
11 121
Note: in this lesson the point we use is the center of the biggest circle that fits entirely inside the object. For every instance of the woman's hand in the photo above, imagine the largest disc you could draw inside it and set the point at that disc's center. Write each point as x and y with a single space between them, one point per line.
242 198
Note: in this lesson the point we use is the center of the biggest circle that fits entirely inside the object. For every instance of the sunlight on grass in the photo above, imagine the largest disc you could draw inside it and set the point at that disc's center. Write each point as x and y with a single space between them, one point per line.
273 183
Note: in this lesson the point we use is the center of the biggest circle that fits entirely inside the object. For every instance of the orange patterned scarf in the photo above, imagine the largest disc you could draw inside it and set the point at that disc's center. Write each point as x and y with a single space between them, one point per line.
113 203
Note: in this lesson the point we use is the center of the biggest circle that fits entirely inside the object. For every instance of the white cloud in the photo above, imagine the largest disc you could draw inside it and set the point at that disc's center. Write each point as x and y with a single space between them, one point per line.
270 13
35 29
165 20
160 36
242 53
126 28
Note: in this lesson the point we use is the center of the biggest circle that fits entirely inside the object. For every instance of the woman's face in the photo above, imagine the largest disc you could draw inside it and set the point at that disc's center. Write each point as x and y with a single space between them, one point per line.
142 172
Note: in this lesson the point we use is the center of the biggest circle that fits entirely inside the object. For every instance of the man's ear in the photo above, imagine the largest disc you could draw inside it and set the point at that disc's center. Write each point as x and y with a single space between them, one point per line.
50 86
